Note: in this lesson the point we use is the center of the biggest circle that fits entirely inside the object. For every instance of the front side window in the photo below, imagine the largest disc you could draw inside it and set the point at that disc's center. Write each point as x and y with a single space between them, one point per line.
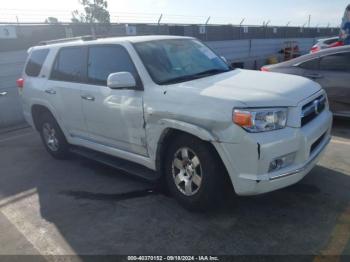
179 60
69 65
104 60
311 64
35 62
337 62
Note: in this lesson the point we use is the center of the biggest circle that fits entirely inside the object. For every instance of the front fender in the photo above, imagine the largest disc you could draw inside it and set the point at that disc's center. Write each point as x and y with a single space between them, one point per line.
188 128
156 133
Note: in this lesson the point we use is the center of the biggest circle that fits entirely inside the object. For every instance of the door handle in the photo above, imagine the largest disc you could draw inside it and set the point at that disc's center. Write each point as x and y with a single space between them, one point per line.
314 76
88 98
50 91
3 93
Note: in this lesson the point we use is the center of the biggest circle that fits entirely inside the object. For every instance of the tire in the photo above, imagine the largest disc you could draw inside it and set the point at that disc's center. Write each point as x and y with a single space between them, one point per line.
53 137
194 178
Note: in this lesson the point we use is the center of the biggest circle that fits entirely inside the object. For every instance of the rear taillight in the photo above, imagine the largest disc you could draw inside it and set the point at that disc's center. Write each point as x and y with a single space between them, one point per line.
20 82
336 44
315 49
264 69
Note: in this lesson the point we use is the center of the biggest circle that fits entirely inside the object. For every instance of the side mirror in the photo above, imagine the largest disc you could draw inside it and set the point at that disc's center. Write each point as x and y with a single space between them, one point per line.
121 80
224 58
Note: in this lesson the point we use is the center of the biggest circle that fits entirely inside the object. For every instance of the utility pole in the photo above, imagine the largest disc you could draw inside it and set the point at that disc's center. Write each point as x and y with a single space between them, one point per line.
206 22
309 22
206 30
158 23
240 27
240 24
286 30
265 28
160 19
18 26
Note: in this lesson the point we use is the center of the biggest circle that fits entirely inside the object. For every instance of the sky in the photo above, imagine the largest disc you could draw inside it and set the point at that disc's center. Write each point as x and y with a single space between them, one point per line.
255 12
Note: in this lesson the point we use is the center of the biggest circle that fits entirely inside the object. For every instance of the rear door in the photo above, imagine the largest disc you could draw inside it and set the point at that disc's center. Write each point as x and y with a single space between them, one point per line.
335 79
64 88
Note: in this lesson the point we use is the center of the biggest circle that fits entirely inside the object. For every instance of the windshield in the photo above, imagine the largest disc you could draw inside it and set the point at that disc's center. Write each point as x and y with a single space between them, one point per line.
179 60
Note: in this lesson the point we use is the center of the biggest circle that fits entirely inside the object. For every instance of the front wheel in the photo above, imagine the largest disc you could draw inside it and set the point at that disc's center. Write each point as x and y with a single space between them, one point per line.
194 173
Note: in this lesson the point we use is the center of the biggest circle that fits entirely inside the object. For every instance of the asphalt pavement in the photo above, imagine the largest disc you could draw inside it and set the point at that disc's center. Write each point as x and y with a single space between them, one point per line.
77 206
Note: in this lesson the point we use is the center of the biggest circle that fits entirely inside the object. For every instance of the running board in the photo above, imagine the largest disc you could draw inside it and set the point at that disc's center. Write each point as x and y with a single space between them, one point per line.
117 163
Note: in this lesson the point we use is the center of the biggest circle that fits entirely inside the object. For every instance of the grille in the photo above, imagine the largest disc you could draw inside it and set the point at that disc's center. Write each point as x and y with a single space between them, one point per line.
312 109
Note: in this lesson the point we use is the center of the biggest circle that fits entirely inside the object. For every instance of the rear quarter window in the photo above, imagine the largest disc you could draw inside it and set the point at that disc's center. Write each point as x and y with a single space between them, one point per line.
331 41
337 62
35 62
313 64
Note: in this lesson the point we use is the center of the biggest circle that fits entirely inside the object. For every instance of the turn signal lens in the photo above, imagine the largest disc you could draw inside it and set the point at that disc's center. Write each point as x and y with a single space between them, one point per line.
260 119
242 118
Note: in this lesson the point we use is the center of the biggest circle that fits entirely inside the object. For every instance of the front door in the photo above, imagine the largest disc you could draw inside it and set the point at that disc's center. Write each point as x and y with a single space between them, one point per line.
114 117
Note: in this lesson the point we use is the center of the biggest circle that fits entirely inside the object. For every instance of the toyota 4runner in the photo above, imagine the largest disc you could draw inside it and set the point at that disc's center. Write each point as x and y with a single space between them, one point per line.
169 107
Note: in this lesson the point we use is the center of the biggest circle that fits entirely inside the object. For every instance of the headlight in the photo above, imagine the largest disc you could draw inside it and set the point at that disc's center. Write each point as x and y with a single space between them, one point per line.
260 120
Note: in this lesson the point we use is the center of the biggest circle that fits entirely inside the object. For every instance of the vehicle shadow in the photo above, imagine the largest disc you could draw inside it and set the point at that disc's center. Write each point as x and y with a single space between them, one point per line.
295 220
341 127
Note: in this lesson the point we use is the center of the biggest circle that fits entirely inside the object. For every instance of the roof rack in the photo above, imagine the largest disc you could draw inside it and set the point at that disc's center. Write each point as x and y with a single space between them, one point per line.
70 39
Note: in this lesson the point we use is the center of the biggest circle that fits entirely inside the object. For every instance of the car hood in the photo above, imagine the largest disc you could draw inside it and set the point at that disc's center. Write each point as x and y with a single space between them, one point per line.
255 88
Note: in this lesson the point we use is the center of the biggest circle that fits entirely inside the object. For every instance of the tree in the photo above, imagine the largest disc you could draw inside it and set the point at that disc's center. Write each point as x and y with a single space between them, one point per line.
95 11
51 20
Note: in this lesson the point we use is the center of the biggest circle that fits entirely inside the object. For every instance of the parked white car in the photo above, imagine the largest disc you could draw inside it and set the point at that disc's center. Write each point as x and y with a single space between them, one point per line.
175 110
326 43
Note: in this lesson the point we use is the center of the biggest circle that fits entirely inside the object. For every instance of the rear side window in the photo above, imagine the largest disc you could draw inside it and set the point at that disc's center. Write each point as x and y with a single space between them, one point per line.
35 62
331 41
104 60
336 62
311 64
69 65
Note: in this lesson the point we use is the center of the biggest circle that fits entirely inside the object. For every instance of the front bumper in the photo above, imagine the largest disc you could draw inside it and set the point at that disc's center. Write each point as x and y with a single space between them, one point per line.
248 162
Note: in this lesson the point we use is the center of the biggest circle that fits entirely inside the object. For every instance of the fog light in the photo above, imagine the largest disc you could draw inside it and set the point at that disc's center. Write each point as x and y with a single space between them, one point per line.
281 162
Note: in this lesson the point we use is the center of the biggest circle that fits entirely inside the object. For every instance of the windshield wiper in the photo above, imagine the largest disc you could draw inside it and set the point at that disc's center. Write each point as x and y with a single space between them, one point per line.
194 76
212 72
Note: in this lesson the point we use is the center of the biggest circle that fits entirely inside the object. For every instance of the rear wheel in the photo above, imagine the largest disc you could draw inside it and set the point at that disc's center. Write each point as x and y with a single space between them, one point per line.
194 173
53 137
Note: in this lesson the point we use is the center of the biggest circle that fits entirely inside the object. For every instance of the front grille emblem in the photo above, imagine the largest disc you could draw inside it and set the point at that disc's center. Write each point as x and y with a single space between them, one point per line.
317 106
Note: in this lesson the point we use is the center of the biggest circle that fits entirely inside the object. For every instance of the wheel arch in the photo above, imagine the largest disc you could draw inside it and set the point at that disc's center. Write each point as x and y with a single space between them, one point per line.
174 129
37 110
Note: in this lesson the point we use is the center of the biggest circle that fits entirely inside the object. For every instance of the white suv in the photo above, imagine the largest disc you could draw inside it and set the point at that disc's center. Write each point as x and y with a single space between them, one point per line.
175 110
